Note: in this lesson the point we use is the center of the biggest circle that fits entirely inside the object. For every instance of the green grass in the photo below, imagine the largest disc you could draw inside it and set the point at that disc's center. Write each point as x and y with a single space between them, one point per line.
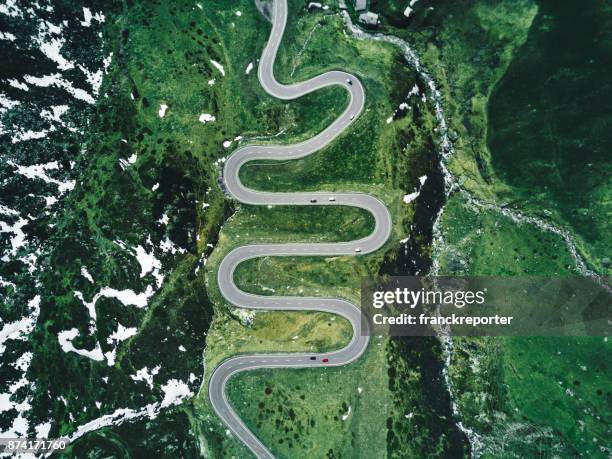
305 413
508 389
533 384
485 242
373 157
303 276
304 223
549 119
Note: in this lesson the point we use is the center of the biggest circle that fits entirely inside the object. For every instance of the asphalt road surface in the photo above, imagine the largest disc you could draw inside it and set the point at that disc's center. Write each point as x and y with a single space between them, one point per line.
238 191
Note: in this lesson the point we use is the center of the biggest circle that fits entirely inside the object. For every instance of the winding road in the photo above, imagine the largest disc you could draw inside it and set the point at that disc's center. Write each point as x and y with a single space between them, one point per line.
238 191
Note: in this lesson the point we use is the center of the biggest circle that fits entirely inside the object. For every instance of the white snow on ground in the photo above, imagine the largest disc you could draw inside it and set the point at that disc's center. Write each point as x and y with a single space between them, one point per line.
390 119
174 392
409 9
7 36
238 13
10 8
218 66
147 261
249 68
404 106
55 114
119 416
86 274
227 143
20 424
65 341
6 103
66 337
87 17
164 220
149 264
411 197
50 200
21 328
314 5
121 334
42 430
128 297
168 246
132 159
145 375
211 82
93 78
348 413
19 240
51 46
86 22
182 348
155 187
162 110
22 136
18 84
206 118
56 80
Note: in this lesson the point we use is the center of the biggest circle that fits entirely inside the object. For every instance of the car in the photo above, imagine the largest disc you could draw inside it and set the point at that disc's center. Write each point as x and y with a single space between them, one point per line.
349 81
325 360
332 198
357 250
313 358
313 200
352 117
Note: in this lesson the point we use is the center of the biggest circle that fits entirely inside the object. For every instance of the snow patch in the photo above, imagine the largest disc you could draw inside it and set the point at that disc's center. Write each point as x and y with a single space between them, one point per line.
408 198
167 246
206 118
121 334
86 274
175 391
65 340
218 66
145 375
7 36
20 329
